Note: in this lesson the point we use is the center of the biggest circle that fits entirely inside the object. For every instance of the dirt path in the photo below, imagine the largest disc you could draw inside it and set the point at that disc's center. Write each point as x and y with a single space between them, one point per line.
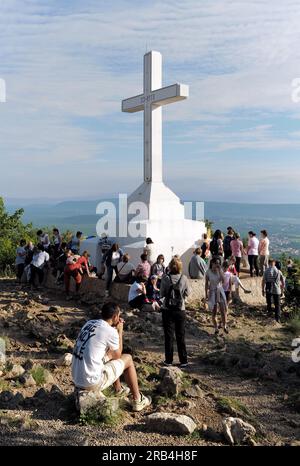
248 373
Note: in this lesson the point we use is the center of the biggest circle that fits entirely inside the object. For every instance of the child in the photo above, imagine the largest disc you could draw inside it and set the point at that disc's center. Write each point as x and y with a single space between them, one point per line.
235 278
227 283
153 292
159 268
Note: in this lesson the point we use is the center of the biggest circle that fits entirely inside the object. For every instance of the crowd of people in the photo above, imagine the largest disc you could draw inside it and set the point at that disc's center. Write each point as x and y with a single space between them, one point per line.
219 261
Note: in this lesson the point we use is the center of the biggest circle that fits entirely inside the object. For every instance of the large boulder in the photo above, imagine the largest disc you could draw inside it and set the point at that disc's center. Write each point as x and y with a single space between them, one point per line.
86 401
237 431
170 423
170 381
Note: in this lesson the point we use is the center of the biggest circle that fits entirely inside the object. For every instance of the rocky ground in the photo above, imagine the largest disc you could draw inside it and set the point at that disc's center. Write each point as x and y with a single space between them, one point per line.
248 374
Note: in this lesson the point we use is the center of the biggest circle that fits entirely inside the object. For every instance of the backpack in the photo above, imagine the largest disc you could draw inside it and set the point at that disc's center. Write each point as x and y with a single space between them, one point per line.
226 243
174 300
214 247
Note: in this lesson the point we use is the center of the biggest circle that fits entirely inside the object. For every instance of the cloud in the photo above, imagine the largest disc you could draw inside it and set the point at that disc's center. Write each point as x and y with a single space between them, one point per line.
68 67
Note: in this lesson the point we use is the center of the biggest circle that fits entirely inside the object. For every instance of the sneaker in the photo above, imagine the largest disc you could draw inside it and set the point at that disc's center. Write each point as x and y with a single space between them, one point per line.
184 364
168 364
139 405
124 392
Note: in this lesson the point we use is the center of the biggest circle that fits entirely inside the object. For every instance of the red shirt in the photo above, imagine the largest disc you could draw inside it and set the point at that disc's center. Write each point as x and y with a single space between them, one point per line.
83 262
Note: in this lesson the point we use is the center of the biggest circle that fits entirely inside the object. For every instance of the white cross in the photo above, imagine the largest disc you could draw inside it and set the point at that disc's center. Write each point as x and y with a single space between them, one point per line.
151 101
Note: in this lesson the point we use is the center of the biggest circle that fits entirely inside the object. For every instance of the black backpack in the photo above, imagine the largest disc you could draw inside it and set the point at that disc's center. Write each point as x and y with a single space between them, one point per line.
227 242
214 247
174 300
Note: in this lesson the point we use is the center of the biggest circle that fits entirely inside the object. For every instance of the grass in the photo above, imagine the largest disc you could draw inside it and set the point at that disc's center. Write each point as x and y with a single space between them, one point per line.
17 421
102 414
232 406
4 385
39 375
293 325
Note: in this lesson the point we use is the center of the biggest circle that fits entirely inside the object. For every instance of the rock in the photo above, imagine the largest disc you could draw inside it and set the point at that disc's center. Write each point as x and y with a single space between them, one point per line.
28 365
27 380
194 392
171 381
170 423
6 396
48 377
211 435
9 400
102 407
62 341
57 394
65 360
53 309
16 371
41 393
237 431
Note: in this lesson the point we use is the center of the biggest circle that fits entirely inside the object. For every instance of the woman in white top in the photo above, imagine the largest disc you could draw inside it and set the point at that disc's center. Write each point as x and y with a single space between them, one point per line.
125 270
252 252
112 259
214 292
20 259
149 250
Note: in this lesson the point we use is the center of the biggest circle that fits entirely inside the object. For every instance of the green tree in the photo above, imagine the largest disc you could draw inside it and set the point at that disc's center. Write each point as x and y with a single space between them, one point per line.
12 230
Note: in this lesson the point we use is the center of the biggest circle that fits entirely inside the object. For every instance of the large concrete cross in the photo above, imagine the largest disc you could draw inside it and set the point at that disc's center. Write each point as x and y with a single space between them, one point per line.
151 101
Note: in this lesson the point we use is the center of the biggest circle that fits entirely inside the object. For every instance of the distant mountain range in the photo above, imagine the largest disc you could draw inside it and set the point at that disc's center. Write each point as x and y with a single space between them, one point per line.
282 220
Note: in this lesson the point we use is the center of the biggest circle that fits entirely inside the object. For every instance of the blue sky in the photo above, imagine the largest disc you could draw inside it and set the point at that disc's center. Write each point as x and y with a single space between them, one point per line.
67 66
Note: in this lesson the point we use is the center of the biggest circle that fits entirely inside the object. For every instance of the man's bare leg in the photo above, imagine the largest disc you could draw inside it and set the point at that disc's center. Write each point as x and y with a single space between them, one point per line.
130 376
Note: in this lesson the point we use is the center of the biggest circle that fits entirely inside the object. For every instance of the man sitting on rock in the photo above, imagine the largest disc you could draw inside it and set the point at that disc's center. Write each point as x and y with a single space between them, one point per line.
98 362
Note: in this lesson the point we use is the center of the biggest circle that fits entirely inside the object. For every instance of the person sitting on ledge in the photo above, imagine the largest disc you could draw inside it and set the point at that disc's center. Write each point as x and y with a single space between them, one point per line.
144 267
125 271
159 268
98 361
153 292
197 265
137 295
84 262
72 269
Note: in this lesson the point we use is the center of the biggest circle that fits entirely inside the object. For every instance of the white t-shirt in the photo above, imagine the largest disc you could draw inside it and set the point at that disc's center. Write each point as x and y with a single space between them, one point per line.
253 246
135 290
95 339
125 268
226 284
40 258
149 250
21 255
115 258
44 240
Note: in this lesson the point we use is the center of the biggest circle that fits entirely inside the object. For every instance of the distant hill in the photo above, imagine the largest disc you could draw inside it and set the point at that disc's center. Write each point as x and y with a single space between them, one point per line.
282 220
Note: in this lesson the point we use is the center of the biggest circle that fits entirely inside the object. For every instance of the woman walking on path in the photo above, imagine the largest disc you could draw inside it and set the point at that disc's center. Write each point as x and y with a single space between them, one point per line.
215 294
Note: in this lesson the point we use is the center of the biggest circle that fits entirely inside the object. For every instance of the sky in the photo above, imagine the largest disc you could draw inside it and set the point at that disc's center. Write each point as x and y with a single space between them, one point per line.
67 66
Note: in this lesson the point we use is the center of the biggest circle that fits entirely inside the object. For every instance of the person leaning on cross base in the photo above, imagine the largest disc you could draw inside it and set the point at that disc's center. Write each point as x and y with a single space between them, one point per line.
272 286
98 361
